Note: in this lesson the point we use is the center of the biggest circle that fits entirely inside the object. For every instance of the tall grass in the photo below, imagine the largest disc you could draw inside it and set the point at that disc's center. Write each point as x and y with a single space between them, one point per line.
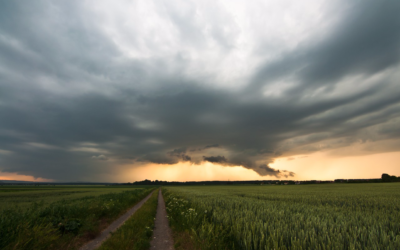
195 225
62 224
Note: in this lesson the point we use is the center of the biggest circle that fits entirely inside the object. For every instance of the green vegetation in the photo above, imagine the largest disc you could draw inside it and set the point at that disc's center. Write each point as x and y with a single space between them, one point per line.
61 217
390 178
328 216
192 227
137 231
23 196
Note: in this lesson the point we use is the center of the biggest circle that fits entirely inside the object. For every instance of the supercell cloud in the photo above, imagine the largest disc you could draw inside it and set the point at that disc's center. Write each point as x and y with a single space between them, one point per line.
86 86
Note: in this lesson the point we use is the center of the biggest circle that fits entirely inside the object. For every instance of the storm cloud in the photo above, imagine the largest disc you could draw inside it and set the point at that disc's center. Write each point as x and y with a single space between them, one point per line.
218 159
86 86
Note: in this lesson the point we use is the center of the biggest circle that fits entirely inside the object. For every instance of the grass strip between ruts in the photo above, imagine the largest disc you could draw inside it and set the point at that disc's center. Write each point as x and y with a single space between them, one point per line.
136 232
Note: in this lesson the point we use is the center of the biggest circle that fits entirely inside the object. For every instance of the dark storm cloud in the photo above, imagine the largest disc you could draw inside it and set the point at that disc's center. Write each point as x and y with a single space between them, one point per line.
216 159
267 170
72 106
263 169
180 153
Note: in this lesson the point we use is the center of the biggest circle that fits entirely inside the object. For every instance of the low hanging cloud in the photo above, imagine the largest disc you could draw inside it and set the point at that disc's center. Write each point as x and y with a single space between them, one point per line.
262 170
180 153
216 159
210 87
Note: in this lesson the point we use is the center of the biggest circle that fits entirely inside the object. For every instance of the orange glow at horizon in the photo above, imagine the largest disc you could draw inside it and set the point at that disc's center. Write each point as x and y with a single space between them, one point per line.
316 166
325 166
19 177
185 171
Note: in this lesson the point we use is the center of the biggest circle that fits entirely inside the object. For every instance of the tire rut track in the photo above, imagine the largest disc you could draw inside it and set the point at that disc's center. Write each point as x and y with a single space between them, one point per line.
162 235
95 243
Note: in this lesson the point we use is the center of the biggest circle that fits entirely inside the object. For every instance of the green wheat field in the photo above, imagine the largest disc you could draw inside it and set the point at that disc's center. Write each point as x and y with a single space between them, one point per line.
324 216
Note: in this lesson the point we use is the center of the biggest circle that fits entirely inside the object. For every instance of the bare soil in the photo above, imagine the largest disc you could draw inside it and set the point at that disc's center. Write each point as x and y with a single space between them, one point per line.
162 235
113 226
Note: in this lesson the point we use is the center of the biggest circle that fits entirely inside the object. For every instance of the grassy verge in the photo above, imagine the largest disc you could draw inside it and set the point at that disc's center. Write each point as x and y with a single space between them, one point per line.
65 224
193 227
137 231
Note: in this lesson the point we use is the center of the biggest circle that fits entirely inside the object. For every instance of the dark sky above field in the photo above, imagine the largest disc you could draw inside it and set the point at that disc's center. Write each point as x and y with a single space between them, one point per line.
91 88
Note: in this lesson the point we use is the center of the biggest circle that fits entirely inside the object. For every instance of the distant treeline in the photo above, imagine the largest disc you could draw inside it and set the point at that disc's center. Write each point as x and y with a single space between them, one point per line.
390 178
384 178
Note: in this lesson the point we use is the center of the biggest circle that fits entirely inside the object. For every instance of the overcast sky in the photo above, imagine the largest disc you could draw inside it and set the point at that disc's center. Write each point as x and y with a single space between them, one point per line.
87 87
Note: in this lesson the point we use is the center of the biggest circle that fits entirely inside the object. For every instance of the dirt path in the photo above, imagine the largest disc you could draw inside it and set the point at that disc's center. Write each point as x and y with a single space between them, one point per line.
113 227
162 235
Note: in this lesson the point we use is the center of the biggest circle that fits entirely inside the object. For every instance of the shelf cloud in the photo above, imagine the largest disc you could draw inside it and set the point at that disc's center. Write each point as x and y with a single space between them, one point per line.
87 86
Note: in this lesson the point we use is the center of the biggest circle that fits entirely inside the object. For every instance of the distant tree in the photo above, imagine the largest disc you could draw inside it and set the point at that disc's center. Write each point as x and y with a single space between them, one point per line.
390 178
385 177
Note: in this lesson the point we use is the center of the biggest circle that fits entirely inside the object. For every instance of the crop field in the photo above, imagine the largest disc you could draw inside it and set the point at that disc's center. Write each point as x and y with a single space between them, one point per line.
23 196
60 217
325 216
